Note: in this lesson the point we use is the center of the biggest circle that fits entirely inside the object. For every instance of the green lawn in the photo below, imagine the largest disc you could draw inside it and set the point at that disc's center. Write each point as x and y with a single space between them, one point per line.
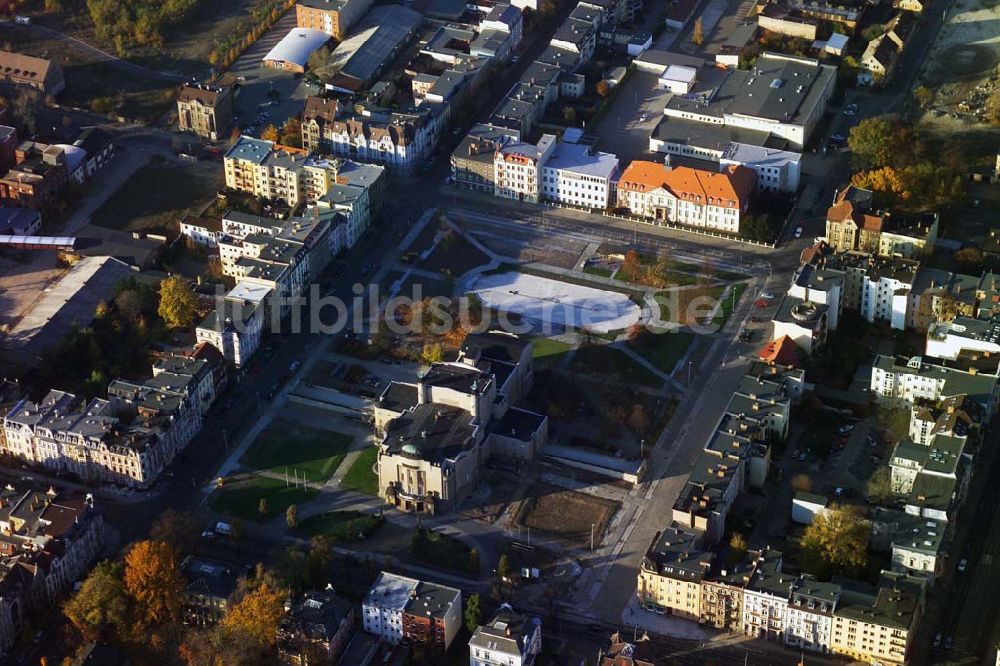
597 270
314 454
549 351
157 196
360 478
442 551
340 525
612 364
662 350
242 498
727 304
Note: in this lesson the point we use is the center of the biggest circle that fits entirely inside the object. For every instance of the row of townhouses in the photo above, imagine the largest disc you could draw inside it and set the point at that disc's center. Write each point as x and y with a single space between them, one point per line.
126 439
738 456
755 597
47 542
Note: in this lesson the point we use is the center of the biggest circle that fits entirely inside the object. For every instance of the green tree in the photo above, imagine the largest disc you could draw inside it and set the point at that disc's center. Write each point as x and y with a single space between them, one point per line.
178 303
292 516
319 58
969 260
473 613
101 609
737 547
924 96
291 133
883 141
569 115
180 529
759 228
894 421
879 486
503 566
837 539
263 506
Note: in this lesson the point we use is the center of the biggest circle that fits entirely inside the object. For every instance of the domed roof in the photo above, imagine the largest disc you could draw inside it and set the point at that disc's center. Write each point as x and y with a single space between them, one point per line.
74 156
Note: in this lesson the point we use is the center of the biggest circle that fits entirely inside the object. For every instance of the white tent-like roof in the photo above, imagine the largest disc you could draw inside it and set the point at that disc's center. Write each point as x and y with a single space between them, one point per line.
297 45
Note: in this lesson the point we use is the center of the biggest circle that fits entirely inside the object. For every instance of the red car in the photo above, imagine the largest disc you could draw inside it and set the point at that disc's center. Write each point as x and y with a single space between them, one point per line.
761 303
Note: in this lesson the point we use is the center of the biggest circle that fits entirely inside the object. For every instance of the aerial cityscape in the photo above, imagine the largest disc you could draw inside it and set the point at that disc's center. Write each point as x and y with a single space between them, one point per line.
499 332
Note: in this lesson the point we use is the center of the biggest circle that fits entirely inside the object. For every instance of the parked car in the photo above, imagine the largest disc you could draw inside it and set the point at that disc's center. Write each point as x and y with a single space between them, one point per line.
643 117
838 138
947 643
963 564
846 428
851 110
798 232
766 295
937 639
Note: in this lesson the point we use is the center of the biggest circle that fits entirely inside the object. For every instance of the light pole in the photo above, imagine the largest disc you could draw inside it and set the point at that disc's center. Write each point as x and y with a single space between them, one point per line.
689 373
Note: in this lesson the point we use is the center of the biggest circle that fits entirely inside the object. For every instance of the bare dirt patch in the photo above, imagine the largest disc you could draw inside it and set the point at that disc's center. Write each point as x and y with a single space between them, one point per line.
567 514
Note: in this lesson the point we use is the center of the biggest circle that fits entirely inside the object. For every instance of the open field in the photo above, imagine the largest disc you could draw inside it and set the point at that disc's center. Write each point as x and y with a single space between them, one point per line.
568 514
612 365
360 478
157 196
314 454
962 60
241 498
87 79
664 349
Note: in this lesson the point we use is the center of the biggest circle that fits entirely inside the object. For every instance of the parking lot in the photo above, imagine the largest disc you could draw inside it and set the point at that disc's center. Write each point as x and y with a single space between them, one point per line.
634 113
283 92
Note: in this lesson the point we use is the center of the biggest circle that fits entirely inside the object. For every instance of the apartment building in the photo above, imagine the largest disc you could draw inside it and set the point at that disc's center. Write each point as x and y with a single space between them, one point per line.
265 170
205 110
915 543
39 177
671 573
398 608
809 624
317 629
765 598
185 373
334 17
509 639
878 627
23 71
901 382
777 170
849 226
950 339
49 541
236 325
518 169
208 587
398 141
95 440
578 175
687 196
472 161
938 297
437 433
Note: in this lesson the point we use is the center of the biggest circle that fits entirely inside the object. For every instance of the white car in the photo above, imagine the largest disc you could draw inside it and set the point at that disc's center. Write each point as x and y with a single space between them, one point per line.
963 564
643 117
798 232
766 295
844 429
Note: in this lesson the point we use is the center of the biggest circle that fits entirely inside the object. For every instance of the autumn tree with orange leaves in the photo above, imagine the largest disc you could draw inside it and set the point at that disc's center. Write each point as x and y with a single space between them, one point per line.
154 583
258 613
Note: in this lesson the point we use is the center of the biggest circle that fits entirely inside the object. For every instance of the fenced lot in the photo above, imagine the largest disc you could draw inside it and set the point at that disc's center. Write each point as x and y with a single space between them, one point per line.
567 514
158 195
